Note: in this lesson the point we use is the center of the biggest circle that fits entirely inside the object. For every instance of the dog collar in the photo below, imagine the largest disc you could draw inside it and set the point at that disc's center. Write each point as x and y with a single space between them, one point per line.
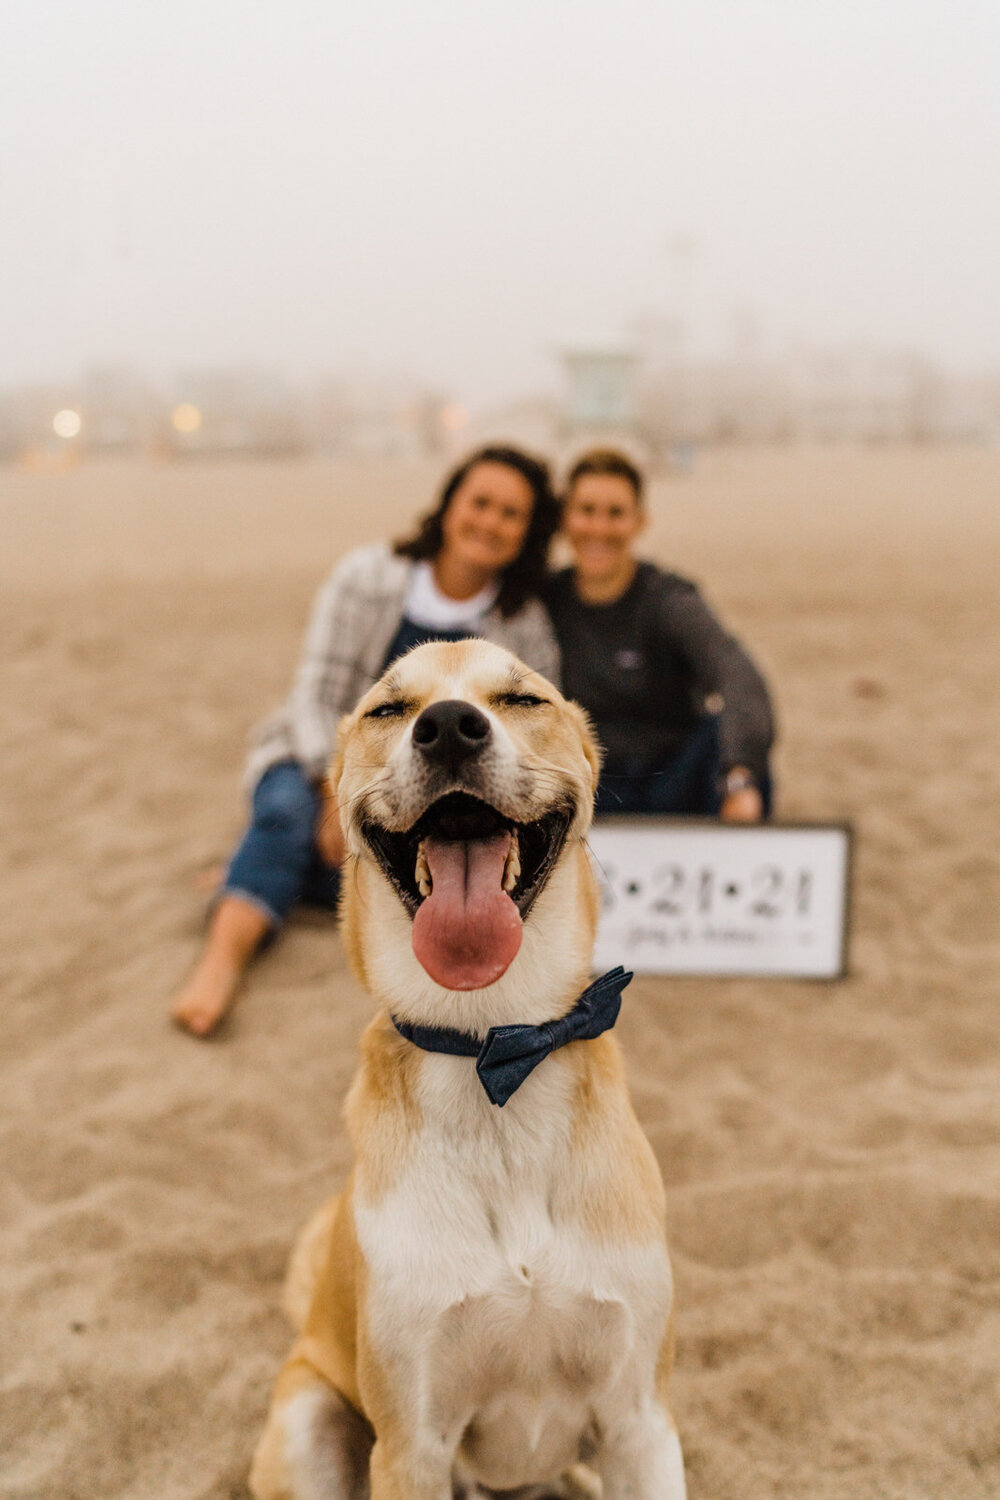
510 1053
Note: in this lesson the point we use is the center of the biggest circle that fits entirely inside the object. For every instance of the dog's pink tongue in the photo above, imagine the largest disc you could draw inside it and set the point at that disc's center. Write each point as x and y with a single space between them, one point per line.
468 930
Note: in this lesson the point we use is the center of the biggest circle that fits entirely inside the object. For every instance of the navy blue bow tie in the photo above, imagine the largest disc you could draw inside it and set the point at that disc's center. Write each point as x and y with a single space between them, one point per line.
510 1053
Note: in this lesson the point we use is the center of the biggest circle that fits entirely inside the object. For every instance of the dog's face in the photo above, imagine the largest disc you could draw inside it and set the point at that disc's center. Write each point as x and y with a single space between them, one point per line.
461 780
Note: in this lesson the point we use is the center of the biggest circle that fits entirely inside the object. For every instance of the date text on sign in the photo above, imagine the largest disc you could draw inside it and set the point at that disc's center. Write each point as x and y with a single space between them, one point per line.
712 898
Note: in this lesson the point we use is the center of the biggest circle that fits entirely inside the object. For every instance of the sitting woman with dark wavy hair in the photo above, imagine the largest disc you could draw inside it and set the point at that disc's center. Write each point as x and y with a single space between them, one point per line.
473 567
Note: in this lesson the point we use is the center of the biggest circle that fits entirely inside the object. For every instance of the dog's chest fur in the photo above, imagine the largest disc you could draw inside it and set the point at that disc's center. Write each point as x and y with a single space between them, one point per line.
499 1315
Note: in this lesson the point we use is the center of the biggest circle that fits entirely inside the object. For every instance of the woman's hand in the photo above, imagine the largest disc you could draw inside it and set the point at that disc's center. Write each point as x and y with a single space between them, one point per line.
329 834
743 806
742 801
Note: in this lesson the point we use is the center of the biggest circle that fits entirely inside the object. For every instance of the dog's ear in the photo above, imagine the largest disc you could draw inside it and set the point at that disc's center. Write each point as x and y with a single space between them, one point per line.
588 742
333 772
336 766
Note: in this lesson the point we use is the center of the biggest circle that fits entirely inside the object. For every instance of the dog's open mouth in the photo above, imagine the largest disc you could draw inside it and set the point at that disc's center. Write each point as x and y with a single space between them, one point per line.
468 876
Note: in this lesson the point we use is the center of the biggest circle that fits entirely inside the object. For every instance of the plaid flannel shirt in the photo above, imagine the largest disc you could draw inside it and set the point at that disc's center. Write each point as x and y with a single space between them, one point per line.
354 618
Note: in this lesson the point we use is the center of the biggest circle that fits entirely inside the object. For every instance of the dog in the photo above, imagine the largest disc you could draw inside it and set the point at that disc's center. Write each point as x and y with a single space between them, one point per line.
486 1309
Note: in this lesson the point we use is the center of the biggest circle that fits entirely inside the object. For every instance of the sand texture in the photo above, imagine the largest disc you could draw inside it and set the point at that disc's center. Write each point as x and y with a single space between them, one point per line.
831 1152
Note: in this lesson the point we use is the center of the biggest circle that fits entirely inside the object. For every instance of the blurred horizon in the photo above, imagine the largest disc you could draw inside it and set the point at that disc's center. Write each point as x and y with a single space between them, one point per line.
448 197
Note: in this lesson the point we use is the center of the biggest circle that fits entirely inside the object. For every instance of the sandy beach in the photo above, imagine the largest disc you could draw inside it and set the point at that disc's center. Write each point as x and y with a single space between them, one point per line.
831 1152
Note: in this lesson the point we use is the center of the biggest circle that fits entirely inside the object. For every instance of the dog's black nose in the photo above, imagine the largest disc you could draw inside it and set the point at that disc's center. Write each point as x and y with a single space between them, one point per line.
450 733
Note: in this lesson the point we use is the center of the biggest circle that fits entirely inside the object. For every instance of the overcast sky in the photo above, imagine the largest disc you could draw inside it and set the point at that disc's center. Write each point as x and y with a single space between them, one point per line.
456 190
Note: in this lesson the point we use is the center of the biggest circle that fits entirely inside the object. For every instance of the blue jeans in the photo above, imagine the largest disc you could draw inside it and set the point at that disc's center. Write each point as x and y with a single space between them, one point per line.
687 785
277 862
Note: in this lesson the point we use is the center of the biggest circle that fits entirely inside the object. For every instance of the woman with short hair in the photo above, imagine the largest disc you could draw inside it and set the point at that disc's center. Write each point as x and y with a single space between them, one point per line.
682 712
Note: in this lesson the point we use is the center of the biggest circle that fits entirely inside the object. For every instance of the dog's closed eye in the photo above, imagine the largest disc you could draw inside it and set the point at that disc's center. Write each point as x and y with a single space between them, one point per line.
521 700
394 709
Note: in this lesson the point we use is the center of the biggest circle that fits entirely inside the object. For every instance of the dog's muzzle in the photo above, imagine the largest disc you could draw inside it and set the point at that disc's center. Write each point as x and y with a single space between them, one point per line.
467 872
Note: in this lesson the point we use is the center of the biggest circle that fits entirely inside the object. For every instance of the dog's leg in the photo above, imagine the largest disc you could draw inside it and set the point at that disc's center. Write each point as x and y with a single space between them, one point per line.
640 1457
315 1446
305 1267
412 1470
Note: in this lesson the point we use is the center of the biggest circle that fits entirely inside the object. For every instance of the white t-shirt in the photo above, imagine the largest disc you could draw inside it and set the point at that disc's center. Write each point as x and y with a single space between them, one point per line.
427 606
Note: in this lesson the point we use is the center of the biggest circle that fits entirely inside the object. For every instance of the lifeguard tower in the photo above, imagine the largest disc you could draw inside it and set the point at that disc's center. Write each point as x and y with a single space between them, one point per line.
600 391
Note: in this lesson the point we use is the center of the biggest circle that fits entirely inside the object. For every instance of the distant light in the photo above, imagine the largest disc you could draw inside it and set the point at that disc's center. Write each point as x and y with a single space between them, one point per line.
186 418
67 423
454 418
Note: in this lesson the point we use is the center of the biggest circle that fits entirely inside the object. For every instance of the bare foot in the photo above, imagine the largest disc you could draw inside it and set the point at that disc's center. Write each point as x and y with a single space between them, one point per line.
207 996
237 930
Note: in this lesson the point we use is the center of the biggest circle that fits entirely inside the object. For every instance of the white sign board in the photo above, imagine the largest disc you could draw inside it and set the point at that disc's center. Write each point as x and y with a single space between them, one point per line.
716 898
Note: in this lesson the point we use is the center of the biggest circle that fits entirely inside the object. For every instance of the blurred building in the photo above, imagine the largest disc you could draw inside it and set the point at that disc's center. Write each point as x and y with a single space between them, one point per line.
367 416
27 415
247 412
862 395
120 410
713 401
110 409
849 395
535 423
600 390
651 394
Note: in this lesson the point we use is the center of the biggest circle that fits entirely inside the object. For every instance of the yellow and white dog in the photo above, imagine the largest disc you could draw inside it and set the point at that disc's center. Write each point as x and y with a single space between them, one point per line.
486 1307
